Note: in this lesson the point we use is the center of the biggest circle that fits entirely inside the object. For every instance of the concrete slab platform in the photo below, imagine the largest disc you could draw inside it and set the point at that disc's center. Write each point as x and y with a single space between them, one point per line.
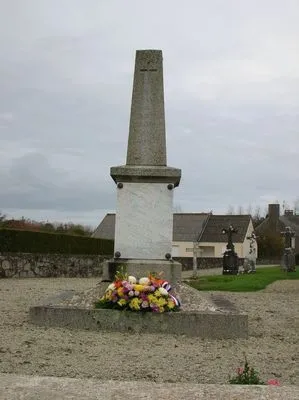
16 387
198 318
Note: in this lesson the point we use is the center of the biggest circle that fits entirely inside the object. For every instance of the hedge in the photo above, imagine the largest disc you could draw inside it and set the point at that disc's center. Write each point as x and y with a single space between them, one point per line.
20 241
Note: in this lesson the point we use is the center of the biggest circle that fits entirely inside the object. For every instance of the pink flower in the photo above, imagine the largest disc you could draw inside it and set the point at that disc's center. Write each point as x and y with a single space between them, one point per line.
274 382
240 371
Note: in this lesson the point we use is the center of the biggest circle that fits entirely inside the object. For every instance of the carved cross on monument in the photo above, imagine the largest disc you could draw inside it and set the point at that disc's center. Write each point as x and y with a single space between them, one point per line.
229 232
288 234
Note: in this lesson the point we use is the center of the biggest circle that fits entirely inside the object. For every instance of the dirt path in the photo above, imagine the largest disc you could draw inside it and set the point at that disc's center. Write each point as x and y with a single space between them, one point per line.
272 348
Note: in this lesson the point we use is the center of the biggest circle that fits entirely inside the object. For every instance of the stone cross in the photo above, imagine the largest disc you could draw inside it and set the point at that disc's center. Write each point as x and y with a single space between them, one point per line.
229 232
288 234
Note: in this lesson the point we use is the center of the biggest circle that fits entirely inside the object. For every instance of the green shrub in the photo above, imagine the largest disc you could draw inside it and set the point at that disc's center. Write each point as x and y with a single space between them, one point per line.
20 241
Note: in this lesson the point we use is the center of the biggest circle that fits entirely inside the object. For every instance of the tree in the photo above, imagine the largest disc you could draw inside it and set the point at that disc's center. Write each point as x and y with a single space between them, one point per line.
2 217
270 245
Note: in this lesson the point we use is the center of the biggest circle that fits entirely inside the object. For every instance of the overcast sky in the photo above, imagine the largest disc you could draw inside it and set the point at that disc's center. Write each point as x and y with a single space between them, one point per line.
231 81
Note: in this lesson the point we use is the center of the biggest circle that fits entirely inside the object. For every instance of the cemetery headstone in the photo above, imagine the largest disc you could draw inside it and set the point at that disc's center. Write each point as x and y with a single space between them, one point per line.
230 257
250 260
288 257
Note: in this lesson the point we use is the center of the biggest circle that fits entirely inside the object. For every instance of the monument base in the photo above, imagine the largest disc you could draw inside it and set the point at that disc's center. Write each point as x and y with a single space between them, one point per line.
230 263
170 270
212 318
288 263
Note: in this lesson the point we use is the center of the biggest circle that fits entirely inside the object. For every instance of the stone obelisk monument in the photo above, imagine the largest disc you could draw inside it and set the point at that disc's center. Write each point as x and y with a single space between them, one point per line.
145 185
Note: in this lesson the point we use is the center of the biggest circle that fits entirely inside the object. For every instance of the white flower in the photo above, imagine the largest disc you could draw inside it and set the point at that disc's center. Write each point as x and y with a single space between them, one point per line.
144 281
132 280
136 293
111 286
131 293
163 291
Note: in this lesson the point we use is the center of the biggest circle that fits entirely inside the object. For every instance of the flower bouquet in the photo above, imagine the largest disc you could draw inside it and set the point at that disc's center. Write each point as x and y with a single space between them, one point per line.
146 294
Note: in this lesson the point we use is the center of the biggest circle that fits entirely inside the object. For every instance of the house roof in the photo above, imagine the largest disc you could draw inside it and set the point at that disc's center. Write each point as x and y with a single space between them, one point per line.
106 229
190 227
215 224
279 224
292 221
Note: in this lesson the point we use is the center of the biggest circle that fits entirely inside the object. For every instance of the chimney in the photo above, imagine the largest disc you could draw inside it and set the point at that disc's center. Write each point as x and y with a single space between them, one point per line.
273 212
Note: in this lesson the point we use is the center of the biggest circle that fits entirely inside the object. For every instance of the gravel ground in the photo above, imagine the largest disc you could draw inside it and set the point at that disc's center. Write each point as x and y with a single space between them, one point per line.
272 348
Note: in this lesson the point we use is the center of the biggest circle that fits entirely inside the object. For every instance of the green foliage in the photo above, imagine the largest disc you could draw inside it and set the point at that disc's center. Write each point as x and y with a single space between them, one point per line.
246 376
27 224
270 245
20 241
244 282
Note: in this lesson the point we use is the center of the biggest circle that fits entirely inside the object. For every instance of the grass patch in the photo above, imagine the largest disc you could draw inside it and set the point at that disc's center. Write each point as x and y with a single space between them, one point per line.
244 282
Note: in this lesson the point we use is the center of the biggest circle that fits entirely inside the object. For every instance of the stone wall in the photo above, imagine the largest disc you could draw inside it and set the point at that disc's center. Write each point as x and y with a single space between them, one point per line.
268 261
202 262
29 265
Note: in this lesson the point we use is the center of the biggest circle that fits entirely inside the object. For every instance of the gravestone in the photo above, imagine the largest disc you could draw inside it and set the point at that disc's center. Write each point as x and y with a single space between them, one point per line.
288 259
230 257
249 265
145 184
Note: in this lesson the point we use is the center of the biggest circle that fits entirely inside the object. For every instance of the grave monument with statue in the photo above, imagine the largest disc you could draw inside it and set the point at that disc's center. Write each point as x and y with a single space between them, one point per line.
288 257
230 257
249 265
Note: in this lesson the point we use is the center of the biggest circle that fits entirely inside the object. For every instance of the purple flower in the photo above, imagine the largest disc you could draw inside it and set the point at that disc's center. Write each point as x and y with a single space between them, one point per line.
127 285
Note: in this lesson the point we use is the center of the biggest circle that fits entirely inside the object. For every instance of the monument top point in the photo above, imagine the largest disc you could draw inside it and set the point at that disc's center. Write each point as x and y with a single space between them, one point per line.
146 152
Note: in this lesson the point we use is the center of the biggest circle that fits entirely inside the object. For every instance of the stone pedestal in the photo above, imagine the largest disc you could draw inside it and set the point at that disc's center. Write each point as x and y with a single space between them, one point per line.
230 263
171 270
288 260
249 265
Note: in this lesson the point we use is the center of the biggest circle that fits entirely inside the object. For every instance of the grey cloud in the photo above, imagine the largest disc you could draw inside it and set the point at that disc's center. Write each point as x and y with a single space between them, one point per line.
31 183
231 91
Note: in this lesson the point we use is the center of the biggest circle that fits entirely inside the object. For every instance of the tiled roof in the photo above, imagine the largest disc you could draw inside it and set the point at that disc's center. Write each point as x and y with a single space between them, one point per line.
186 227
292 221
213 230
190 227
106 229
279 224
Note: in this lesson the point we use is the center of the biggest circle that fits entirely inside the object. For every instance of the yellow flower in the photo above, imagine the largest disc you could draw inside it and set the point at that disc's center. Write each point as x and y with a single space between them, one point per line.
151 298
122 302
170 304
139 288
108 295
161 309
120 291
134 304
157 293
161 302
